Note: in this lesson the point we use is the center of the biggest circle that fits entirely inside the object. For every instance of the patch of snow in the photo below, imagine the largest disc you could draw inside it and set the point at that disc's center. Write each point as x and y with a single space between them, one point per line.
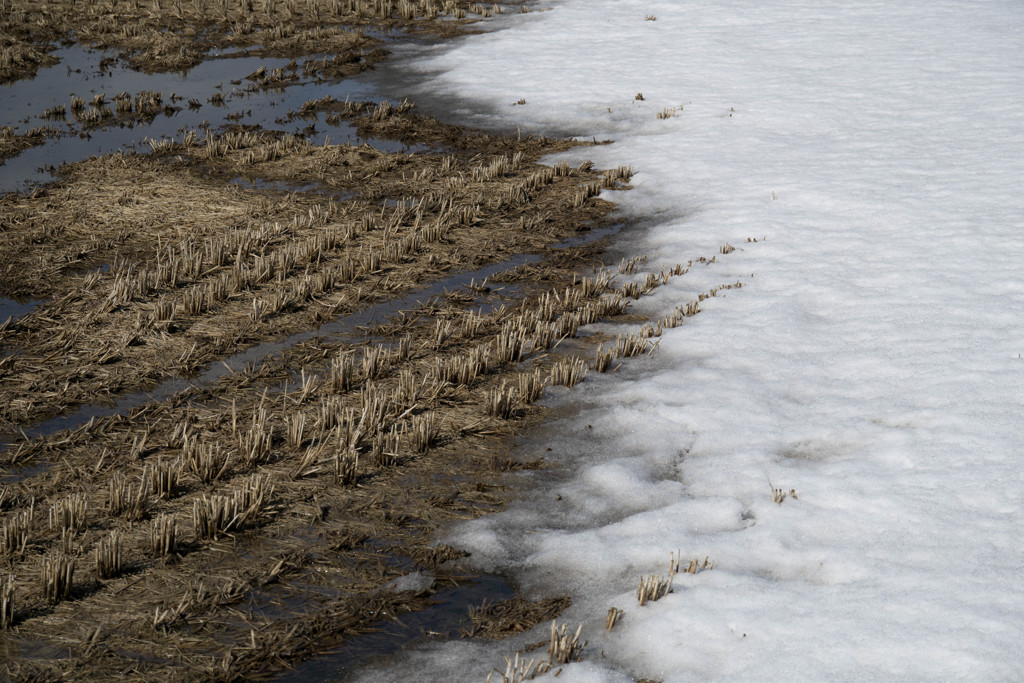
871 362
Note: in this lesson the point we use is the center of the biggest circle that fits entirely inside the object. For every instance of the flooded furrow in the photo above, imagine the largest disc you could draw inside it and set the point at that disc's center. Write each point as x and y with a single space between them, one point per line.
345 329
346 313
212 94
445 618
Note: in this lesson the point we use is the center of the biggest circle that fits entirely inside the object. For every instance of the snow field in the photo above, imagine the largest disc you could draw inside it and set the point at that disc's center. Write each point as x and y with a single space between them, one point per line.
871 361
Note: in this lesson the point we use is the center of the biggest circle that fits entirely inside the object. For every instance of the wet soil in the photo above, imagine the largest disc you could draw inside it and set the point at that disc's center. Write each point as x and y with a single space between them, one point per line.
253 380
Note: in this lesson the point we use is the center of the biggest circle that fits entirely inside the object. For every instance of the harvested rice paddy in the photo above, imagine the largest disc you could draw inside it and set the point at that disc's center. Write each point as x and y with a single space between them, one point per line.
247 371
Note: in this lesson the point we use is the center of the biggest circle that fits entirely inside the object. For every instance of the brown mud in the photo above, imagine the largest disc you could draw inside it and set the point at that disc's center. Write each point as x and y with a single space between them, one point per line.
274 513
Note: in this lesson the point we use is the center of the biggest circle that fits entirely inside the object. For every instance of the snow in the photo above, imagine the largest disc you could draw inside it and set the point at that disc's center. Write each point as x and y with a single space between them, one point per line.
871 362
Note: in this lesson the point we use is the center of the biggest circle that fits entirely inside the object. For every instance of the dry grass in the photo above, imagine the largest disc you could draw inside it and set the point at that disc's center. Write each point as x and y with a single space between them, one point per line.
57 577
313 471
507 617
7 603
564 646
157 35
387 417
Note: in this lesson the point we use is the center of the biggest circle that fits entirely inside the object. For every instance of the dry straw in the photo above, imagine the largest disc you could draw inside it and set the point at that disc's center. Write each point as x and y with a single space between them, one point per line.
423 433
346 464
125 500
531 386
215 515
563 647
69 514
7 603
14 534
568 371
603 359
57 576
163 478
108 556
163 535
501 401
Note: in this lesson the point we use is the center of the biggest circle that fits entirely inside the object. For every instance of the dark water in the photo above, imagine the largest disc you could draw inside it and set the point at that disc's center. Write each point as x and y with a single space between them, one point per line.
22 105
15 308
79 73
443 620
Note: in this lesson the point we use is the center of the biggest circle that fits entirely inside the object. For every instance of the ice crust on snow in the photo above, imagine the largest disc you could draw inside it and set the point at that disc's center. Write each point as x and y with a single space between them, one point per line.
871 361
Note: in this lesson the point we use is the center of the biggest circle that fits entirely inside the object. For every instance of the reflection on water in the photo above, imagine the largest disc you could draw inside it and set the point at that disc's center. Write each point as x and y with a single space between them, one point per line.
79 74
443 619
15 308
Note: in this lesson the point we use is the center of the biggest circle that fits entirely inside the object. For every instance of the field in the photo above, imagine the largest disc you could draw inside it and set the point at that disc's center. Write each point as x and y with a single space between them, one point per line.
237 412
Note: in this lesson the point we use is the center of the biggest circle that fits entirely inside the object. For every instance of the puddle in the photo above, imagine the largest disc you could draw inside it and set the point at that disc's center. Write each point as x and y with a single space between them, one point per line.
251 183
79 74
15 308
448 614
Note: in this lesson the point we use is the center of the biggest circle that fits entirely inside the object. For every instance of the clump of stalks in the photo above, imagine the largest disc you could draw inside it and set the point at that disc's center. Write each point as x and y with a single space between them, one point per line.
681 313
568 372
407 391
603 358
375 361
57 576
69 514
508 347
295 427
254 445
516 670
629 345
501 401
628 266
307 385
384 449
653 587
108 556
563 647
346 463
472 324
531 386
779 495
694 566
126 500
163 535
163 478
423 433
208 461
462 369
403 351
216 515
14 534
55 112
614 614
342 373
545 334
443 331
310 459
7 603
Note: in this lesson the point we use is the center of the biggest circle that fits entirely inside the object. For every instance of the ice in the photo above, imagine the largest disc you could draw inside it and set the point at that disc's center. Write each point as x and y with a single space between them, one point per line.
871 362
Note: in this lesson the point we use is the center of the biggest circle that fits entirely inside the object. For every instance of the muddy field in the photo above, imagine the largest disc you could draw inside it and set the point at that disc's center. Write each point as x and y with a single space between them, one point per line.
239 410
